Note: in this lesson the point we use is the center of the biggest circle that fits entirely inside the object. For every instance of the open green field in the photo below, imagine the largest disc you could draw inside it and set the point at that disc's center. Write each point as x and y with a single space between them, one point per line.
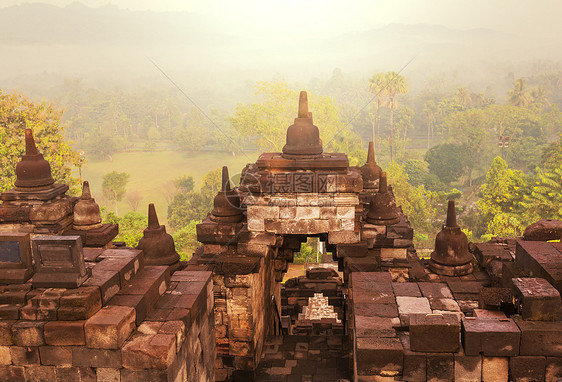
150 171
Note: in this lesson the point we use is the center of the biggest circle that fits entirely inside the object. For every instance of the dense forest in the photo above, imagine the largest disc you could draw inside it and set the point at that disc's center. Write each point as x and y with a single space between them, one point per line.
499 157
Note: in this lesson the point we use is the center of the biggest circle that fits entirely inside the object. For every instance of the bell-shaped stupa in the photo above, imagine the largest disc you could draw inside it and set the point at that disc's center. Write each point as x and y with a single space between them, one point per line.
382 210
157 244
451 256
303 138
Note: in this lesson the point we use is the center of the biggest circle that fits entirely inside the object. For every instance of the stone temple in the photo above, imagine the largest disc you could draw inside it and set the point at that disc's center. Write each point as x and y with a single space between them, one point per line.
77 306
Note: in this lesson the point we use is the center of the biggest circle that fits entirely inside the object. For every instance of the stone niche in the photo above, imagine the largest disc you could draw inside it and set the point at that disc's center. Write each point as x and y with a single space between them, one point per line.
59 262
15 258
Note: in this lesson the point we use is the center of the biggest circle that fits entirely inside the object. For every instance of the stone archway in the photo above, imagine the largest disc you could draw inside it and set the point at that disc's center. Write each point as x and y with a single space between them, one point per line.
254 230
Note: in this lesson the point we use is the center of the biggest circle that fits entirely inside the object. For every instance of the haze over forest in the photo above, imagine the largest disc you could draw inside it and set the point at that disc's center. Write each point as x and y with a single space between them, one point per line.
214 50
462 100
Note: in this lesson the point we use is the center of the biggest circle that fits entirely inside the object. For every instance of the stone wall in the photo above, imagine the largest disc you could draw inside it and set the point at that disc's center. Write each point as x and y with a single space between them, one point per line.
429 331
127 322
244 317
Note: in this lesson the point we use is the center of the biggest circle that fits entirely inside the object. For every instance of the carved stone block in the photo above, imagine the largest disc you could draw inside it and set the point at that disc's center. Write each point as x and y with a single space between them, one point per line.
59 262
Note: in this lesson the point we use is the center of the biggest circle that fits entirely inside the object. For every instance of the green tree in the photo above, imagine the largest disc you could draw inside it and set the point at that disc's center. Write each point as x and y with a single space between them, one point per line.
500 199
377 85
463 97
520 95
192 205
185 208
18 112
545 198
211 185
448 161
114 186
413 200
265 122
131 226
472 131
418 175
430 115
186 240
184 183
192 136
396 84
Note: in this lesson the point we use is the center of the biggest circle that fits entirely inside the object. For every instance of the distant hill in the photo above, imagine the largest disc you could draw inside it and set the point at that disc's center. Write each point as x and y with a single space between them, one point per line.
37 23
83 41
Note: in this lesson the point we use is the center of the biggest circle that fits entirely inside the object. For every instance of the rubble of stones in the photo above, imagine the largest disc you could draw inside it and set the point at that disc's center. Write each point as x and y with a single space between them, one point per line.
502 322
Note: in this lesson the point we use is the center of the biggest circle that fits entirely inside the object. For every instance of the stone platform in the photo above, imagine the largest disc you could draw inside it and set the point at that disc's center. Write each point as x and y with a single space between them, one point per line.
127 322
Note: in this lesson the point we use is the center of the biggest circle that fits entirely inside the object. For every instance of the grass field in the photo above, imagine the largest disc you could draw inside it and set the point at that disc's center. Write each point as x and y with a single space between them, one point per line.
151 170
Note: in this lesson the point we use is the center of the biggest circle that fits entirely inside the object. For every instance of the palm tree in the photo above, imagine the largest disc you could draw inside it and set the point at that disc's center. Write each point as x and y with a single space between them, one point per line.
396 84
377 85
519 95
463 95
430 112
540 95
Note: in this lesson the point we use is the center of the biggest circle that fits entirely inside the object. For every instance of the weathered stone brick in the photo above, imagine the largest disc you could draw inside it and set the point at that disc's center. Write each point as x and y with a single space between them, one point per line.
345 212
67 373
467 368
437 333
240 348
9 312
376 355
343 237
540 337
411 305
110 327
495 369
327 213
105 374
149 352
24 355
440 367
435 290
80 303
256 225
65 333
393 253
537 299
527 369
108 282
28 333
491 337
5 357
55 355
128 375
85 357
136 301
6 337
176 328
347 224
415 364
307 212
263 212
553 368
12 373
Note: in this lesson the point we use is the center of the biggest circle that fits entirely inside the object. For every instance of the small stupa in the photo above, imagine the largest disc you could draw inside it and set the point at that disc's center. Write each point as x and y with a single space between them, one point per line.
451 256
86 211
33 171
303 137
371 171
382 210
157 244
226 203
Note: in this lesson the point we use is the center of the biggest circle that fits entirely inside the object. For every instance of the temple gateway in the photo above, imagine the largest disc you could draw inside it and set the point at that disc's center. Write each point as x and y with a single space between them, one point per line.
77 306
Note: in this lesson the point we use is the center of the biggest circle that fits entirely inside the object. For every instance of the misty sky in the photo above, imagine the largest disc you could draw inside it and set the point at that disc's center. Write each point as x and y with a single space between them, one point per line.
329 17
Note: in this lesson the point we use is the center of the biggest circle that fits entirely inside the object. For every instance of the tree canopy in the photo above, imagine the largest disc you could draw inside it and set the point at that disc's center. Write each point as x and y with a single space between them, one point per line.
18 112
